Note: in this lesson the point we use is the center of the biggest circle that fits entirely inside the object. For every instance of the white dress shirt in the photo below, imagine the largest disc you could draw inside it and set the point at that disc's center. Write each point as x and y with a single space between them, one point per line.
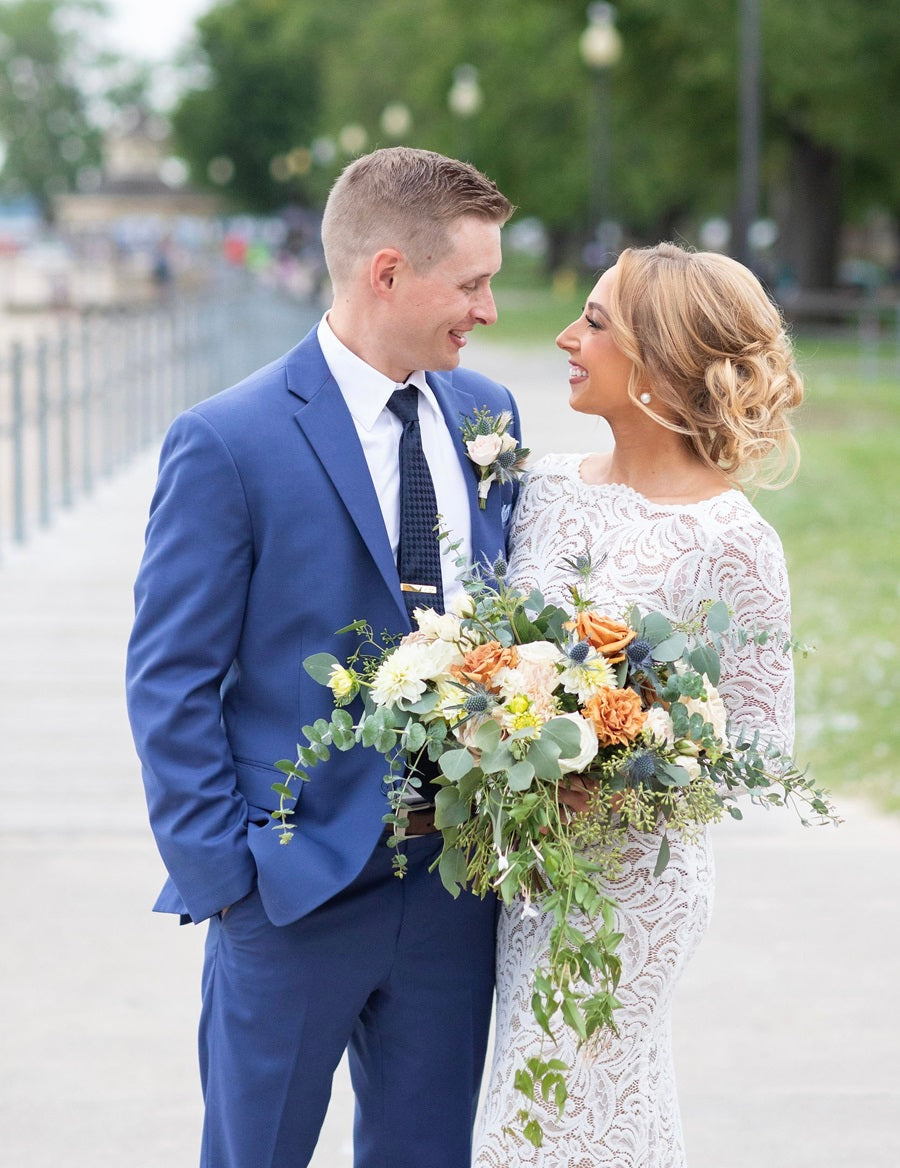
366 393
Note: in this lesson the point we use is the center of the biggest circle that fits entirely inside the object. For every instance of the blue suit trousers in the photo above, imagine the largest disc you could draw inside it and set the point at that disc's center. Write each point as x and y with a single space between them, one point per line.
394 969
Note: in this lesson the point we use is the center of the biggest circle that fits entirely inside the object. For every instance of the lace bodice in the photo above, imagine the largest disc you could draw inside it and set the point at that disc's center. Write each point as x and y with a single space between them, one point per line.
669 558
622 1110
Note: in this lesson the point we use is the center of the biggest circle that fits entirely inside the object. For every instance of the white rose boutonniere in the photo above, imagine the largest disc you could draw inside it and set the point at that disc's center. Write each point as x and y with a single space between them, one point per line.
492 449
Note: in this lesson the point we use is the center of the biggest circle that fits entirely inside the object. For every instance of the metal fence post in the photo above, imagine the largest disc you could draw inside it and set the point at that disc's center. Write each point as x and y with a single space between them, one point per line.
43 420
87 470
17 430
65 419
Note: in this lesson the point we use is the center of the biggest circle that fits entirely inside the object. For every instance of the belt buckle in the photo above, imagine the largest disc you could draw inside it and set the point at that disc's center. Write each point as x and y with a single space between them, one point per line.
399 828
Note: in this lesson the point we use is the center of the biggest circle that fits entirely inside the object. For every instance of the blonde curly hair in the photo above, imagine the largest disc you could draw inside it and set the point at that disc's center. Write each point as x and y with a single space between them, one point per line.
712 348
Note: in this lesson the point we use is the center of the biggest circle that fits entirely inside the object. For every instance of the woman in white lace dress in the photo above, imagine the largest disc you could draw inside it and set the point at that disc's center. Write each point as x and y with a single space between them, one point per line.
687 360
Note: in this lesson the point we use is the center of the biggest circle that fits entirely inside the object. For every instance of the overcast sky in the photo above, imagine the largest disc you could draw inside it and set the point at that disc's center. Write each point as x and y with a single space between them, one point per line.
153 29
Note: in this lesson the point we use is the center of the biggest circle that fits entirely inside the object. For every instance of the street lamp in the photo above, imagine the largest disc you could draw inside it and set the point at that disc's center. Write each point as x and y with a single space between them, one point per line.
749 121
601 48
465 99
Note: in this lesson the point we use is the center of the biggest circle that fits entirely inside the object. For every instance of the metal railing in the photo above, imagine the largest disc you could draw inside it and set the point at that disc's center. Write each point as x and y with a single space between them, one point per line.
89 391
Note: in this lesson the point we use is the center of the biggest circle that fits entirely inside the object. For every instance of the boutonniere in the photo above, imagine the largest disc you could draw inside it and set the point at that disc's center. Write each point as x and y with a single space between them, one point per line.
493 450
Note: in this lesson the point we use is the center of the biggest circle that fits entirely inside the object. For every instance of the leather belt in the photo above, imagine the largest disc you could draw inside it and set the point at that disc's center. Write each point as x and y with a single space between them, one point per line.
417 822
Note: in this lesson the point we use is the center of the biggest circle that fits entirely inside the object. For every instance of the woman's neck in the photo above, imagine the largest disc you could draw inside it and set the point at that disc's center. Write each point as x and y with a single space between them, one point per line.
662 469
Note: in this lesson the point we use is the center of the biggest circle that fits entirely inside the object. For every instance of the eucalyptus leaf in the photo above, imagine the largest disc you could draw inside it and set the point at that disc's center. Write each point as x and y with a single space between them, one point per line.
494 761
543 754
662 859
670 774
415 735
521 775
319 666
655 628
718 618
565 733
706 661
425 704
671 648
452 870
487 736
449 809
455 764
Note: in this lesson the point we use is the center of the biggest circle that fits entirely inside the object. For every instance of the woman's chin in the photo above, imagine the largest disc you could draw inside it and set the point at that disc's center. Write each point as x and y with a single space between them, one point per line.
578 403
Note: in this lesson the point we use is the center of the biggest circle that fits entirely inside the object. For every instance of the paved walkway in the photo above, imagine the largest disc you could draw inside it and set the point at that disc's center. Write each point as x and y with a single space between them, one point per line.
786 1031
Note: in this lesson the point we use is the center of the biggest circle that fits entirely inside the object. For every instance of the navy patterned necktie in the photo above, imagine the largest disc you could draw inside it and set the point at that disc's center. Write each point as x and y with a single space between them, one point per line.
419 557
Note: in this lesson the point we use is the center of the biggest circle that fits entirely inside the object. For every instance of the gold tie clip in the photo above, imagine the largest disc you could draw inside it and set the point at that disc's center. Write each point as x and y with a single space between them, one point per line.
429 588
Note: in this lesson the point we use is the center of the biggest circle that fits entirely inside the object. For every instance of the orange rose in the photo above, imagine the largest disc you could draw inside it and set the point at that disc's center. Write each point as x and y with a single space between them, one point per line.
616 715
480 664
609 637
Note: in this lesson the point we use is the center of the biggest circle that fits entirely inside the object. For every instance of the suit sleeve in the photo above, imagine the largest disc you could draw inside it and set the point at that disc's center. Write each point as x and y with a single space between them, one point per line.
189 603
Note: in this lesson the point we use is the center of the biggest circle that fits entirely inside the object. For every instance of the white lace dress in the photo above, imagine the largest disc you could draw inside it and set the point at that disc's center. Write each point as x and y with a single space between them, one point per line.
623 1109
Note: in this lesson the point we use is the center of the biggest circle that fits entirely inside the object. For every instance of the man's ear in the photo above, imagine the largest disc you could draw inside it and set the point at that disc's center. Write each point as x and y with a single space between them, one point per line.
384 270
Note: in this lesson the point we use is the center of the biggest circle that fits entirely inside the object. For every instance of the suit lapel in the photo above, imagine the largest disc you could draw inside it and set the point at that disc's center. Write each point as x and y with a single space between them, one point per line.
483 524
328 426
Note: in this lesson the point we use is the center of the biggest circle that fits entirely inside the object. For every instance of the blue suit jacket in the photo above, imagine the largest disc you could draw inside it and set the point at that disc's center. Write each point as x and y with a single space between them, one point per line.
265 536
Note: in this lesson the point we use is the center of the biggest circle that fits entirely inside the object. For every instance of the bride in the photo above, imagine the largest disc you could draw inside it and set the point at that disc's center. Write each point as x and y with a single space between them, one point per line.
687 360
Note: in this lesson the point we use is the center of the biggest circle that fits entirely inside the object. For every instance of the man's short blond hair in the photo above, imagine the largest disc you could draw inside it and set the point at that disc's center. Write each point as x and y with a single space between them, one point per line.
407 199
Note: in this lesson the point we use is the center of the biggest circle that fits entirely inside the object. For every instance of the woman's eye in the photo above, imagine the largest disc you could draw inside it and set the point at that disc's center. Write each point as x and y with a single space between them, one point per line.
594 324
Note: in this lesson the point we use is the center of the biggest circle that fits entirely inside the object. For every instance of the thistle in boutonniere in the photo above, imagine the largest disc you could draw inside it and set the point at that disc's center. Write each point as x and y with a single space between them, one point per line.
493 450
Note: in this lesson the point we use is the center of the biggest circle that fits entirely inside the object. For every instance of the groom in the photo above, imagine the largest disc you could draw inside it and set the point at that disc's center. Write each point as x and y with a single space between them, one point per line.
277 519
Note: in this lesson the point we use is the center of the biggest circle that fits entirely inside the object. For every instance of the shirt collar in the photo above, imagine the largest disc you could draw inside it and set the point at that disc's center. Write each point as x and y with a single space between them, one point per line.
364 389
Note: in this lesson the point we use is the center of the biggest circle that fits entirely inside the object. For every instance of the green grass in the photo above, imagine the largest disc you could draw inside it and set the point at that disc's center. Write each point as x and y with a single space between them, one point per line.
840 525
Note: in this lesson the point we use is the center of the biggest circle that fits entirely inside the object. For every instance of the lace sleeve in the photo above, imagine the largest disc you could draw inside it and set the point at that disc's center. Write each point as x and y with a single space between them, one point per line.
746 569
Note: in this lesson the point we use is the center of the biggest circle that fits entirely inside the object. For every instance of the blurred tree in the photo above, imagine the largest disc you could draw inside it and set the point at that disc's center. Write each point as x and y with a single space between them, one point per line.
262 101
294 92
46 132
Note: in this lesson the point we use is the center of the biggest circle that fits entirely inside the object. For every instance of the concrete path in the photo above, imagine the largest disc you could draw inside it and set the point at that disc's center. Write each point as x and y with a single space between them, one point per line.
786 1030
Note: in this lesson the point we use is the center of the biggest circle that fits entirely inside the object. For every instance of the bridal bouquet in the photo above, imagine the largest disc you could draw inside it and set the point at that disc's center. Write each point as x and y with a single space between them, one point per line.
515 700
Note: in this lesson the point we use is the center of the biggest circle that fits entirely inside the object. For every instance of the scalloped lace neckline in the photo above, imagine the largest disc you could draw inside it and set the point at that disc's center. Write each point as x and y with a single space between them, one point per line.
574 463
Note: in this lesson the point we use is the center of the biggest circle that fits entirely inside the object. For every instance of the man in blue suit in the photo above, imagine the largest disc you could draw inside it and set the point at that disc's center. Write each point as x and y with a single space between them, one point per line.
276 521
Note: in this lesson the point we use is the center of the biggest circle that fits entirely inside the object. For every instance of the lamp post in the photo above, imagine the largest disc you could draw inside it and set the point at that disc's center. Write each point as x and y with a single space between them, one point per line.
601 48
749 122
465 99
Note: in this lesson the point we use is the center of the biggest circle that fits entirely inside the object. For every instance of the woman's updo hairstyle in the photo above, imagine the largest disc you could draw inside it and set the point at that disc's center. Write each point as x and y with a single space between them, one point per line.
711 348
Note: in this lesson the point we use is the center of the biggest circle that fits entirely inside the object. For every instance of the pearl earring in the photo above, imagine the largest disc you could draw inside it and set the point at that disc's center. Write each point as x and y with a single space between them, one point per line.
645 399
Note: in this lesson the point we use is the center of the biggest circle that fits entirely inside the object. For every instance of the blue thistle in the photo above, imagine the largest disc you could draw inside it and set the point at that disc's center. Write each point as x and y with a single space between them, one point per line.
508 459
640 654
476 703
500 566
641 768
578 653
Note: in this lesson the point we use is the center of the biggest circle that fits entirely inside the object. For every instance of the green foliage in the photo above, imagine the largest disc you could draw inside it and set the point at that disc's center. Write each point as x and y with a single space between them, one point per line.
44 122
284 73
840 525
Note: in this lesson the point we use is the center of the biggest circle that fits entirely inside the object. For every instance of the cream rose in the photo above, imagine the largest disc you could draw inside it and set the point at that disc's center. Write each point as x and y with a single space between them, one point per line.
484 449
587 747
712 710
437 626
658 725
